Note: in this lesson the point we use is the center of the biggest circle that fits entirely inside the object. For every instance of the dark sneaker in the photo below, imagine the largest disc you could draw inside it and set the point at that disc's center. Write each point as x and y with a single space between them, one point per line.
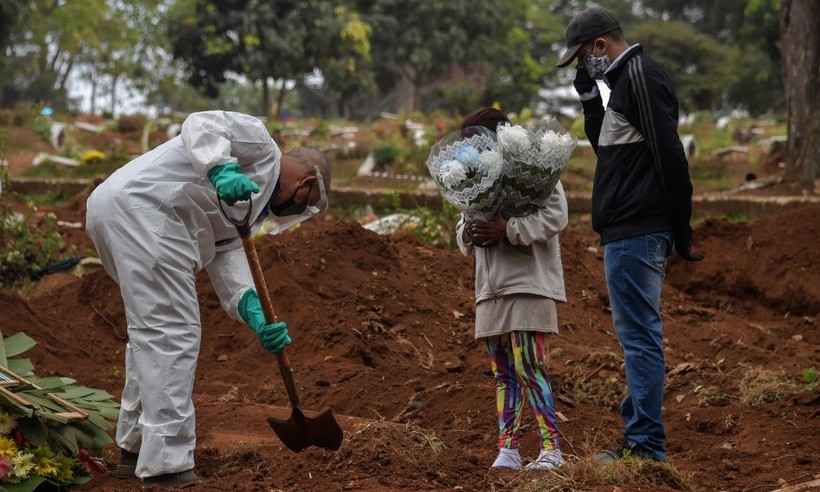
179 480
127 466
624 451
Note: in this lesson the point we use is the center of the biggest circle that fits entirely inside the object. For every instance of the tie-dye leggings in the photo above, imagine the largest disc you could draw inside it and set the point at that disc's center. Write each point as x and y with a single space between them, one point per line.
519 365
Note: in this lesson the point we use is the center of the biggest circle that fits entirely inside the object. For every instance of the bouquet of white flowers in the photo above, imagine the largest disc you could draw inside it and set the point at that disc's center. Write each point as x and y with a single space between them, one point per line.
512 171
468 170
533 162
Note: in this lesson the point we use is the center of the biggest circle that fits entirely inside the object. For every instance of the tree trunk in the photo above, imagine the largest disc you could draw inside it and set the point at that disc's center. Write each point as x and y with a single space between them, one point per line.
67 72
114 80
53 64
800 26
280 100
94 94
341 107
266 102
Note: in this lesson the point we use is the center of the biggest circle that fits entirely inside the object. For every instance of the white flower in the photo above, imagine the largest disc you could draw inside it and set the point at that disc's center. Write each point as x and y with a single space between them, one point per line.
22 465
452 174
467 154
513 139
490 161
556 149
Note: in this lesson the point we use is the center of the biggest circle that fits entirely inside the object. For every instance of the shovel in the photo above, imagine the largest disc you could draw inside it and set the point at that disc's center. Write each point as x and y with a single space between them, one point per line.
299 431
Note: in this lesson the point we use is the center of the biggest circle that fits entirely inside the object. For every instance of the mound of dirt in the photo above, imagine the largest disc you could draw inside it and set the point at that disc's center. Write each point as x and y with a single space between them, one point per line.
775 260
344 291
383 334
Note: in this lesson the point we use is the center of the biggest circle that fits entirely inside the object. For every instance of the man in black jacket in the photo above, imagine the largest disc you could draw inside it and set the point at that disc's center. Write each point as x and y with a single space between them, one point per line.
641 206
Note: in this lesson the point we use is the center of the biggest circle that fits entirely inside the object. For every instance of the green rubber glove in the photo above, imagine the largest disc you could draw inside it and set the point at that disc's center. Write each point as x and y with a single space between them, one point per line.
231 185
273 336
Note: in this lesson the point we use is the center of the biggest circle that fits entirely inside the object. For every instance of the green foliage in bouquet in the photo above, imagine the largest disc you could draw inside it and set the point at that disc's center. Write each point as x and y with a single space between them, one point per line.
44 441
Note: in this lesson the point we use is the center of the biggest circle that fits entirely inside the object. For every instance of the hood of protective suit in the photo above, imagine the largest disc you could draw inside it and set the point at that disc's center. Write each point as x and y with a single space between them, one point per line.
173 178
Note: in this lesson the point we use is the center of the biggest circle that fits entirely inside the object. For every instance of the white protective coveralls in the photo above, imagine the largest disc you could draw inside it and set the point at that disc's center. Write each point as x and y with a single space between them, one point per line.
155 223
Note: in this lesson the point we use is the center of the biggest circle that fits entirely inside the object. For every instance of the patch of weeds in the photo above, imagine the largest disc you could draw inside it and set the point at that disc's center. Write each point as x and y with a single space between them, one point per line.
98 167
322 130
386 154
760 386
436 227
712 396
42 127
426 439
603 392
737 218
585 474
811 378
391 444
586 384
709 175
354 213
25 250
48 198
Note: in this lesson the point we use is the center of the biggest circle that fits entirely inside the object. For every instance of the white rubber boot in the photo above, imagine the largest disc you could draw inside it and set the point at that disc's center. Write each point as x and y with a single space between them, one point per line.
508 459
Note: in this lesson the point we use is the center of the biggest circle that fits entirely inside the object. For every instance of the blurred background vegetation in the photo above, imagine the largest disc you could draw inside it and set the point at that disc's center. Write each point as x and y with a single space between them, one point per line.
357 58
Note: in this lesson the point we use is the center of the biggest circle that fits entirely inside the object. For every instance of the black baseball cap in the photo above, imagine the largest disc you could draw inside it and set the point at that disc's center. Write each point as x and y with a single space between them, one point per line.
585 26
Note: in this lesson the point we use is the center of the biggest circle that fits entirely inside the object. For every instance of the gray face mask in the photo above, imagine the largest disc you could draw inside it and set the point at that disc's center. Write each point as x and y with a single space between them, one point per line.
597 65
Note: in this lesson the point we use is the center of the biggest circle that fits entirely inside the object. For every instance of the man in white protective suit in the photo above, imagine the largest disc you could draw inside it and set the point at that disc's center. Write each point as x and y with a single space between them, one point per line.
156 222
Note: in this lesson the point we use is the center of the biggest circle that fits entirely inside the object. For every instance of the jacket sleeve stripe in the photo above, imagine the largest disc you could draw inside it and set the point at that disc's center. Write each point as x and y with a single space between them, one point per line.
636 75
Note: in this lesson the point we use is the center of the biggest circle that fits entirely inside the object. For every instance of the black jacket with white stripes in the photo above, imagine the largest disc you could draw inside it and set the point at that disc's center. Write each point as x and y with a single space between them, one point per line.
642 180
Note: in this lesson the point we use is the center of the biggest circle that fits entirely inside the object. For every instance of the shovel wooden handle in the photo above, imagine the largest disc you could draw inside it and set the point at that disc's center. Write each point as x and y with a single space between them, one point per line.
244 229
249 246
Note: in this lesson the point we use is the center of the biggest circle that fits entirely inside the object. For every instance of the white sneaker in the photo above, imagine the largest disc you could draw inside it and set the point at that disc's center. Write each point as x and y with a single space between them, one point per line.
508 459
547 460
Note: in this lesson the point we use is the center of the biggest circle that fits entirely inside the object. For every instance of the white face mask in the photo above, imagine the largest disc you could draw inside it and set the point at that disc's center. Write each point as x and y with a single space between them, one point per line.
597 65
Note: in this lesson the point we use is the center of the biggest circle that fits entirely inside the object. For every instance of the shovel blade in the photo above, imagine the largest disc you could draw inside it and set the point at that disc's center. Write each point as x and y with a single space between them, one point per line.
299 432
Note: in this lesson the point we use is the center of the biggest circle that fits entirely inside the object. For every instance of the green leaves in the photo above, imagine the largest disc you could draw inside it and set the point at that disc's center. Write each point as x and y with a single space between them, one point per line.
18 344
29 485
49 422
54 382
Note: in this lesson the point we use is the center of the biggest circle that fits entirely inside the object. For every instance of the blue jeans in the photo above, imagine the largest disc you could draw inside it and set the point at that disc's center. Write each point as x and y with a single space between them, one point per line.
635 270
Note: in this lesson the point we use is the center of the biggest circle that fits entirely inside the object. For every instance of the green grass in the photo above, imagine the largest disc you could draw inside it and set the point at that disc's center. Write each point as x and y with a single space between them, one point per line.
710 176
49 198
90 170
737 218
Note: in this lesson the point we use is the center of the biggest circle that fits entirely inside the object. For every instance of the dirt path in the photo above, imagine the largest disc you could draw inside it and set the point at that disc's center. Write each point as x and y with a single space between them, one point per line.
383 334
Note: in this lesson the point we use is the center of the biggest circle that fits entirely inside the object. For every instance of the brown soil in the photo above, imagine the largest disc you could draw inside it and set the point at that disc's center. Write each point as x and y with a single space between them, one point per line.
775 261
383 333
23 146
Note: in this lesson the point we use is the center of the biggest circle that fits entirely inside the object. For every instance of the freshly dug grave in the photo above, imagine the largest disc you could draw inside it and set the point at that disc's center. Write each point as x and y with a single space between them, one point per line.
382 332
774 261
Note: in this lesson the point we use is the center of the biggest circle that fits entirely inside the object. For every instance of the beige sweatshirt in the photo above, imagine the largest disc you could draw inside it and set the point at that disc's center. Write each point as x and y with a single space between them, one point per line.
529 261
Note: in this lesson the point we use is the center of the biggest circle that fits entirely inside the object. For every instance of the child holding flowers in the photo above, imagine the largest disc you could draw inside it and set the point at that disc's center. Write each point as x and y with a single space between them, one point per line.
518 279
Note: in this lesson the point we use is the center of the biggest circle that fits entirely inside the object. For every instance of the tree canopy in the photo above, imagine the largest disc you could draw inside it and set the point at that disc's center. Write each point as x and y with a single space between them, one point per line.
357 57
